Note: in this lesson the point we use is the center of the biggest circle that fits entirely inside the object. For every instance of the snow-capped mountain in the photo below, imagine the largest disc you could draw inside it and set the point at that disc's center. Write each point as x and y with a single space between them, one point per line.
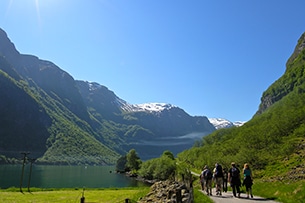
224 123
155 107
147 107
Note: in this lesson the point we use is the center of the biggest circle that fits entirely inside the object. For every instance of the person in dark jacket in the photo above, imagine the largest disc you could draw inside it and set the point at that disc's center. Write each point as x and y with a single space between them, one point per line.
218 175
234 178
207 176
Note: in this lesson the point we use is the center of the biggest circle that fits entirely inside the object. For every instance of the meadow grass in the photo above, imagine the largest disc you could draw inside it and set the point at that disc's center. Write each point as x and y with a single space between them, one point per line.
111 195
285 192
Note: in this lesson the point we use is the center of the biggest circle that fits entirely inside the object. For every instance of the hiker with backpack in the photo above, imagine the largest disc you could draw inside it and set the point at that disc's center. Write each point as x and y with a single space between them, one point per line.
234 178
247 182
218 175
207 176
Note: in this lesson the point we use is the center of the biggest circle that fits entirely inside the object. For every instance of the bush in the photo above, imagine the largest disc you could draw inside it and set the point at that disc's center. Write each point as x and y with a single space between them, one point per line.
161 168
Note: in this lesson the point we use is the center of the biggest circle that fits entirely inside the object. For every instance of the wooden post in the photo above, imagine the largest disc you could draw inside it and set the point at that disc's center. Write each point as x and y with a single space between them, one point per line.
22 170
178 196
82 199
30 175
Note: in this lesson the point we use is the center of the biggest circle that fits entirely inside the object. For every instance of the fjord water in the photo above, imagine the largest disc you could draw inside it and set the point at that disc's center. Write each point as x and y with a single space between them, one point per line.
64 177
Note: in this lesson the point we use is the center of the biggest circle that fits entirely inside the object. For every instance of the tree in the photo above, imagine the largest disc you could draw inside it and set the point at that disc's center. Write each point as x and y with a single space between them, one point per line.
133 160
169 154
161 168
121 164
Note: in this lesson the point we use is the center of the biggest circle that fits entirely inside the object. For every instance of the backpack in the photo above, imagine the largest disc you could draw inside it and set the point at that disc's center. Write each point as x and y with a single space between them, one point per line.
218 171
235 172
208 175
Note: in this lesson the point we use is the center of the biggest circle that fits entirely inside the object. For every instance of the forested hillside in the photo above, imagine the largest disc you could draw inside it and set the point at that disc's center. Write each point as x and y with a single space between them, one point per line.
273 141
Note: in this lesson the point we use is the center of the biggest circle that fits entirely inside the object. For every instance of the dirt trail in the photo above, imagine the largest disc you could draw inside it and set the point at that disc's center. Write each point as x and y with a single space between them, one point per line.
227 197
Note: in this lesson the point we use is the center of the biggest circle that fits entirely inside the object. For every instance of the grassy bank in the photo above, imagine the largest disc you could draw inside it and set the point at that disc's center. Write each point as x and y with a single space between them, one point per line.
285 191
199 197
112 195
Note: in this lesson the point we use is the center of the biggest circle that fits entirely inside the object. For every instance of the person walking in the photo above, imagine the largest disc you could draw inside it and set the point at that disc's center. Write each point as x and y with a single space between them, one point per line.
248 182
202 180
234 178
218 175
207 175
225 180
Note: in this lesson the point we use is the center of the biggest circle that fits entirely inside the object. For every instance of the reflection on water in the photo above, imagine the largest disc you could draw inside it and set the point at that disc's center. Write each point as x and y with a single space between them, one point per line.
64 177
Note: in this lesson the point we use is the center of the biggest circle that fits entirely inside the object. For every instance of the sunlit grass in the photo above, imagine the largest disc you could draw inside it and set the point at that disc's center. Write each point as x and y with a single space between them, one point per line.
73 195
199 197
281 191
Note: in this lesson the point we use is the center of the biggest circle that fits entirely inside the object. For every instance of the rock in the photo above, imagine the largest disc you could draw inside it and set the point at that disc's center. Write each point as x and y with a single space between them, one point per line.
167 191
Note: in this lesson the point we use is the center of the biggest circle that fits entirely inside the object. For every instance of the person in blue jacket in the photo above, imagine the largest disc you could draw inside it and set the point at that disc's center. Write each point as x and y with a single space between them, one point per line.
248 182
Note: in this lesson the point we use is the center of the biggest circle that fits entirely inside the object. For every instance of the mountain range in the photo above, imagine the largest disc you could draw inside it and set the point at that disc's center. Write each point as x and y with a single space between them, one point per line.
60 120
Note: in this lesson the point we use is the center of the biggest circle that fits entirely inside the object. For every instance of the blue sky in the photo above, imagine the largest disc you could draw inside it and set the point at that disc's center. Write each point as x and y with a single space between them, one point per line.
211 58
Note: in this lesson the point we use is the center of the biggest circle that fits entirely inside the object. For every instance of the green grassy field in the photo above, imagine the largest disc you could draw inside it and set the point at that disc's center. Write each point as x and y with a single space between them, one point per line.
72 195
279 191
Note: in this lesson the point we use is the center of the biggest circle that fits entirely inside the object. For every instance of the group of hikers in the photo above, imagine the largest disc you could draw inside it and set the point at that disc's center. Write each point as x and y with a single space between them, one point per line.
221 177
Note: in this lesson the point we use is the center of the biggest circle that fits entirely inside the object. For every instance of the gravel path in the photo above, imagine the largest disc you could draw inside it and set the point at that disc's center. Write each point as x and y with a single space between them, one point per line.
227 197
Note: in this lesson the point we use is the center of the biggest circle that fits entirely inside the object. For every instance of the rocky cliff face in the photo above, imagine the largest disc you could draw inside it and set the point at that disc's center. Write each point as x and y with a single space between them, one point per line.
289 81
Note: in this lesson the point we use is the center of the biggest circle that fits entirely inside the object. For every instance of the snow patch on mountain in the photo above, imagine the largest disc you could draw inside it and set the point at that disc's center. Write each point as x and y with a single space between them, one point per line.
224 123
93 85
239 123
146 107
153 107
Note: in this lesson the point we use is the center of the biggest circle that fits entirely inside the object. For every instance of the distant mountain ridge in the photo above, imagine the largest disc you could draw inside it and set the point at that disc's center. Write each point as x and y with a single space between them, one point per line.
65 121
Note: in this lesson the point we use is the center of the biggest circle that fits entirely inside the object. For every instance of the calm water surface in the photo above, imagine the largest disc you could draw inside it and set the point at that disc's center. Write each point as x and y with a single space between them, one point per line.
64 177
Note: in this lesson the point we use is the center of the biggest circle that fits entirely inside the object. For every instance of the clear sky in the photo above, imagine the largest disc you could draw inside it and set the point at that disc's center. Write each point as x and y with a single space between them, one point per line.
211 58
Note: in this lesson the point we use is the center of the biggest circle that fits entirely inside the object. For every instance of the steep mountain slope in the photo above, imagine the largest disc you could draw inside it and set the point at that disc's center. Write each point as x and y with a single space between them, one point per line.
20 117
273 140
292 79
55 82
60 120
34 122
